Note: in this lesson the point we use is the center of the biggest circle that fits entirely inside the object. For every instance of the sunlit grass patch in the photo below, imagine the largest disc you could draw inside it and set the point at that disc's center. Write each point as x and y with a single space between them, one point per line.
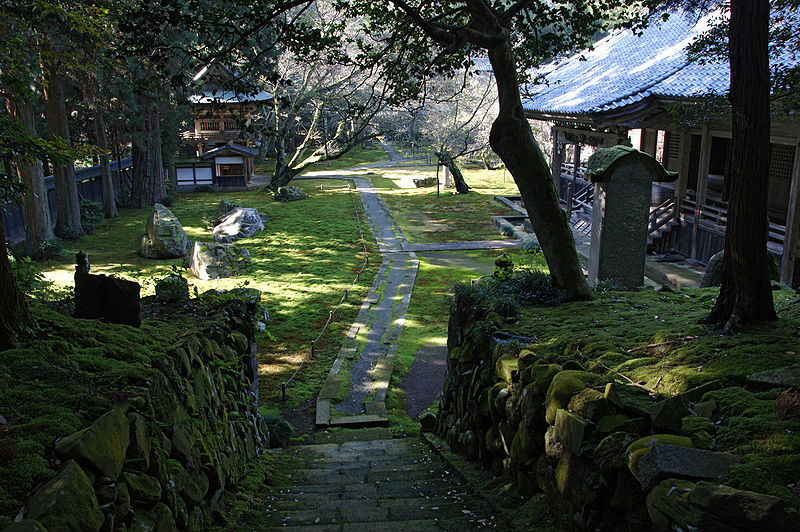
425 217
308 254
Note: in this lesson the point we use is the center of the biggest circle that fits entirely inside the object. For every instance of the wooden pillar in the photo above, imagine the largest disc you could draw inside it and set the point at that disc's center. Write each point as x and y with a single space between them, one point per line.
702 183
557 159
576 160
684 151
792 238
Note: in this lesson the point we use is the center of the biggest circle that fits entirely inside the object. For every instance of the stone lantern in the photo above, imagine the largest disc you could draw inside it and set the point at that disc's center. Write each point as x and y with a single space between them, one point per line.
623 179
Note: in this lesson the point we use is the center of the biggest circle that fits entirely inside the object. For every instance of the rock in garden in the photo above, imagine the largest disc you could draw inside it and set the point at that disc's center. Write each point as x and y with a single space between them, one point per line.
101 296
427 422
290 193
103 444
663 461
239 223
225 206
682 505
217 261
67 502
788 376
164 237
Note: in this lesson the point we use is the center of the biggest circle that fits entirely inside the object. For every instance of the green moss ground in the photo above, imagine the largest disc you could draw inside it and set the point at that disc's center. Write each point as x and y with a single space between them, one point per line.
427 317
72 370
449 218
306 257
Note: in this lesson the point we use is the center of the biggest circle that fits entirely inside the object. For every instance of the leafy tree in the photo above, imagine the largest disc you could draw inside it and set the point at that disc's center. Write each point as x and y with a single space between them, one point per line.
748 35
423 38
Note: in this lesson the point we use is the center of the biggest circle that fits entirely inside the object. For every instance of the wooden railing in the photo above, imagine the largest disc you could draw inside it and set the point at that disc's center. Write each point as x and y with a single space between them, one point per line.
714 217
661 216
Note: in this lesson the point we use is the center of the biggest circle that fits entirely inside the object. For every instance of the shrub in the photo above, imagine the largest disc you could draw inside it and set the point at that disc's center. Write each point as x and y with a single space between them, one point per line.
92 215
173 287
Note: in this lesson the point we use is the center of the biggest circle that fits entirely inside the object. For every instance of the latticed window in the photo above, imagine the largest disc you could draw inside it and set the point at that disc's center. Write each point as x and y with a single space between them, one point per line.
230 124
208 125
781 162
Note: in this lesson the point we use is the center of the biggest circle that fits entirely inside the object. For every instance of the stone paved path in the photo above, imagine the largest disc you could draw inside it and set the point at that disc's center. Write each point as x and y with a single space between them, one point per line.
354 394
376 486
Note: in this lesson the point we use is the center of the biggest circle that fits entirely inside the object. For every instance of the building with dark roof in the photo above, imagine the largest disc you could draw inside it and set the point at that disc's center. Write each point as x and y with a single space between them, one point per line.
625 91
219 151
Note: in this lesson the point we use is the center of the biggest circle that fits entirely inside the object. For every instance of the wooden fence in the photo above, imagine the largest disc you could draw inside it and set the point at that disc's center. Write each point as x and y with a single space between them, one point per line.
90 186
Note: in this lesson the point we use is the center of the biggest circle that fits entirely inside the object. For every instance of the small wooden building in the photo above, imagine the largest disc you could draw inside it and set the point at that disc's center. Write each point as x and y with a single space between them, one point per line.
636 90
219 151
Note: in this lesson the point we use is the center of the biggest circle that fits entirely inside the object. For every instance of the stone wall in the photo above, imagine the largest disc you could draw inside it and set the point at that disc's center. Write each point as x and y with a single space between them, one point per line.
606 454
162 457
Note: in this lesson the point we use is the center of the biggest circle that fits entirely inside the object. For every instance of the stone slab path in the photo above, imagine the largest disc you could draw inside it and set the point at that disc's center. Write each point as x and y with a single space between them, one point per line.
354 394
378 485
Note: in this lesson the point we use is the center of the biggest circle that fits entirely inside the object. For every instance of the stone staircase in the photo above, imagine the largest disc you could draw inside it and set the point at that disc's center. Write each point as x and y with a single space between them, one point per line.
377 485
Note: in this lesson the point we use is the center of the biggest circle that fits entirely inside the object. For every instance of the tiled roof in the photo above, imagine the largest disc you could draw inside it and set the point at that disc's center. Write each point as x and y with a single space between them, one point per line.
230 148
226 96
625 68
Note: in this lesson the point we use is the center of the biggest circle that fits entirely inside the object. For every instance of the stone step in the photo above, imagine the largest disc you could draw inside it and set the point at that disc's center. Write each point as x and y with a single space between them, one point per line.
355 513
417 525
363 475
373 489
328 504
384 463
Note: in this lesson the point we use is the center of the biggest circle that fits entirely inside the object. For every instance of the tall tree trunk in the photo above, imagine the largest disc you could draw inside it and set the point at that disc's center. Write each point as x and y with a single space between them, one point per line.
109 197
68 209
35 207
148 167
447 161
511 138
13 310
745 295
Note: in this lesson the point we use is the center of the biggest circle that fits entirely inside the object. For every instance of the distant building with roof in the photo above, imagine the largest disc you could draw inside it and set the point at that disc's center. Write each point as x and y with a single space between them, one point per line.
620 92
219 152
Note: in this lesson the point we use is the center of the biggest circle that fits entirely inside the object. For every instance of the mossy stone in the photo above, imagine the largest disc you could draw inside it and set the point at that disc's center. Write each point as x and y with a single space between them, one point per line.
611 423
542 375
667 414
507 368
574 365
637 449
66 502
140 444
705 408
570 430
610 452
632 400
696 394
702 440
588 403
564 385
103 444
143 487
693 424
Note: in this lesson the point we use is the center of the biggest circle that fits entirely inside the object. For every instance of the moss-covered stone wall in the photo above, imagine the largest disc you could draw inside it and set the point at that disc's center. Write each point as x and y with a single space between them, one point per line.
605 453
163 454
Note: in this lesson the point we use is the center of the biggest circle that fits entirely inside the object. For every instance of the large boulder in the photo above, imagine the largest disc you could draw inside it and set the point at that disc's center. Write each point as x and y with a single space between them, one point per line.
164 237
239 223
290 193
662 461
682 505
216 261
713 274
103 444
67 502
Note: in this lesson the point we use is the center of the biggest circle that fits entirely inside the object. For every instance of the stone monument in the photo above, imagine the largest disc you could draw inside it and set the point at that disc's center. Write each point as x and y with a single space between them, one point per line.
623 180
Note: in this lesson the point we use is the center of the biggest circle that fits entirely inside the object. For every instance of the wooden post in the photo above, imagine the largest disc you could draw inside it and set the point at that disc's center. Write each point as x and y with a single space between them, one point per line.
283 391
792 223
702 182
576 161
684 152
556 160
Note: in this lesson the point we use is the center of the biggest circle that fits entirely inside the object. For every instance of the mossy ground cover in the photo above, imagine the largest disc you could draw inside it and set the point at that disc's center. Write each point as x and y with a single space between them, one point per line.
423 217
71 370
653 339
429 312
302 262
